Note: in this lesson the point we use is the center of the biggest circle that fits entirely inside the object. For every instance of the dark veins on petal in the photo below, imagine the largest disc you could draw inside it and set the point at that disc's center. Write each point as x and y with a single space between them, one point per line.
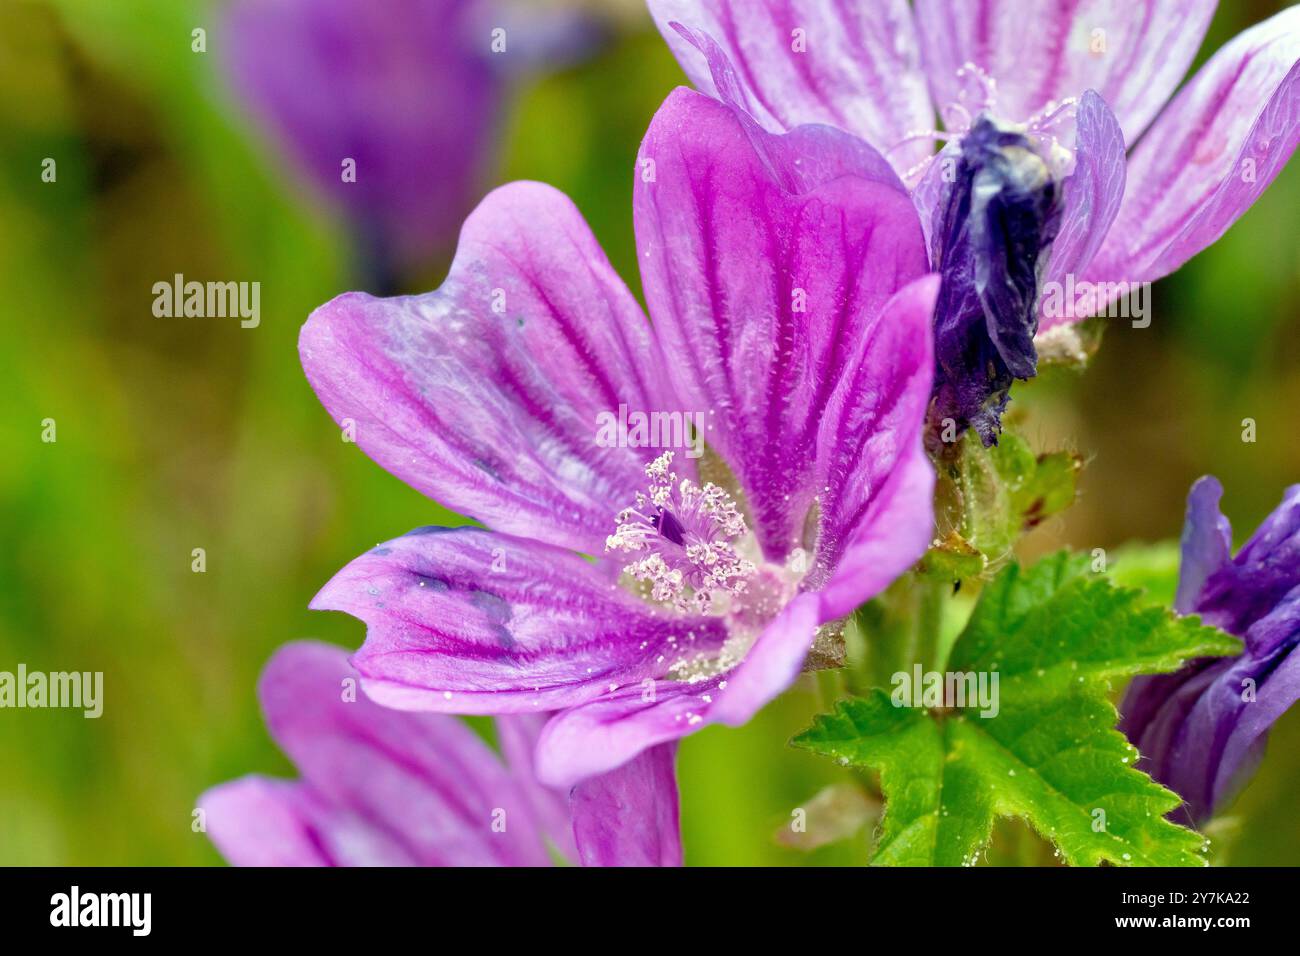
991 243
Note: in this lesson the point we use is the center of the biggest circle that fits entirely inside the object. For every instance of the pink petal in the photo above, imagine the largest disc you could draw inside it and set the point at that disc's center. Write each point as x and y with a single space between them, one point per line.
1210 155
772 664
378 786
466 621
603 734
1093 194
1047 51
258 821
859 69
765 261
877 512
629 816
485 394
331 80
517 735
600 736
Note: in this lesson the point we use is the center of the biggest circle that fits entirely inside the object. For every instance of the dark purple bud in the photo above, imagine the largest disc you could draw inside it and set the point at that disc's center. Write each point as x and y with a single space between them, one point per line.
990 245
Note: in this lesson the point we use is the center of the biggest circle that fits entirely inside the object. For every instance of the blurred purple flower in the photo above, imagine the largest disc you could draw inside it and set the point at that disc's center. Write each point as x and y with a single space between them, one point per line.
786 277
382 787
410 91
1202 730
1033 189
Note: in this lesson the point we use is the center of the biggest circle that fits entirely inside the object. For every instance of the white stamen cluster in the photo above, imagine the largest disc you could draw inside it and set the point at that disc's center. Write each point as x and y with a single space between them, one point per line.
978 93
690 574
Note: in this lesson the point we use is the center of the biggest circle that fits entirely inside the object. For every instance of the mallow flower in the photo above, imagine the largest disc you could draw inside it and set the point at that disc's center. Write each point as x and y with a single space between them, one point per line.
383 787
1042 104
389 109
1202 730
636 590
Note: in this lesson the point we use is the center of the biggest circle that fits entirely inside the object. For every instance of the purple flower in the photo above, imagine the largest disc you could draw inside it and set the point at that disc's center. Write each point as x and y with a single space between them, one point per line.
1202 730
405 90
1041 99
786 277
383 787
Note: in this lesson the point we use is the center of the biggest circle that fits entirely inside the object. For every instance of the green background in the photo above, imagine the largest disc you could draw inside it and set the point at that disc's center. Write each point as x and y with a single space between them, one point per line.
182 433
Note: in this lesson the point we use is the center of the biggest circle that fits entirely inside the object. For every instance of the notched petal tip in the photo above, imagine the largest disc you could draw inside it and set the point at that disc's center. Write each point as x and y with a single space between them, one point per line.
485 394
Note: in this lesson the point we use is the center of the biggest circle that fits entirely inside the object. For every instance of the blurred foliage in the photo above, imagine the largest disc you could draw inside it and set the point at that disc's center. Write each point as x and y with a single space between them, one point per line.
184 433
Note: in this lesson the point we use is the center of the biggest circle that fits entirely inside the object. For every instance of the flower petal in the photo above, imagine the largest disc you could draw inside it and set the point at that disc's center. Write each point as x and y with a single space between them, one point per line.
487 393
603 734
1210 155
877 514
772 664
1093 193
1277 688
258 821
765 259
517 735
462 620
1132 52
1202 731
600 736
379 785
1241 591
629 816
1168 717
853 65
876 506
1206 543
931 192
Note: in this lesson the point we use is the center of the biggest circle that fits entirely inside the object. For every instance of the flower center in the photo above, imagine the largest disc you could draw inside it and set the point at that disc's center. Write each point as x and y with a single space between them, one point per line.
692 550
684 538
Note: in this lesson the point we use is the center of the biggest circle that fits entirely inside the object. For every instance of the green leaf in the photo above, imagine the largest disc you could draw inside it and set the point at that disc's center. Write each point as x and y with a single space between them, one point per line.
919 780
1053 637
1056 626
